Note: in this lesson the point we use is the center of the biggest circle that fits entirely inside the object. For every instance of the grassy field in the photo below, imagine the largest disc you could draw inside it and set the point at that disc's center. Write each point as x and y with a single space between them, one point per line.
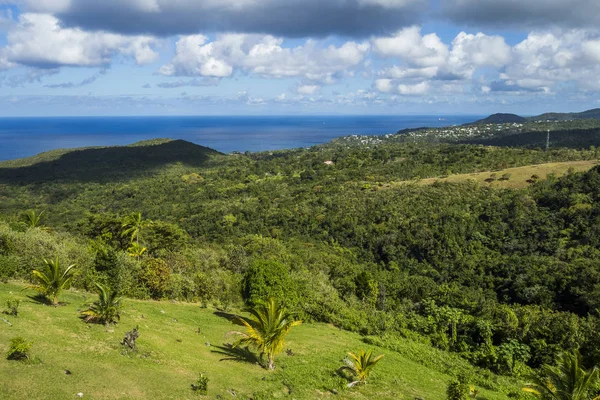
518 176
177 342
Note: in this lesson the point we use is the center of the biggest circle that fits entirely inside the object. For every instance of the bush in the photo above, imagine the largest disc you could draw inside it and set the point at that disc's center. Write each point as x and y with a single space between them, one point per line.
457 389
12 307
201 385
155 275
266 279
18 349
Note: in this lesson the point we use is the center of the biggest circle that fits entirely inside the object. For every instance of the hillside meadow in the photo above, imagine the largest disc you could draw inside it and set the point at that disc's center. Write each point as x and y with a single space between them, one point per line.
486 281
180 340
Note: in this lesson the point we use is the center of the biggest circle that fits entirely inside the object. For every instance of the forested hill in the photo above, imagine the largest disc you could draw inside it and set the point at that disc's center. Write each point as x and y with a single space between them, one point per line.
500 119
104 163
551 116
589 114
344 233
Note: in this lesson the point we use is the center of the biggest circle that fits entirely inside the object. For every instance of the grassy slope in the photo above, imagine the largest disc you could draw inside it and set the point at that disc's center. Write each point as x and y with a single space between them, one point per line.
171 354
519 175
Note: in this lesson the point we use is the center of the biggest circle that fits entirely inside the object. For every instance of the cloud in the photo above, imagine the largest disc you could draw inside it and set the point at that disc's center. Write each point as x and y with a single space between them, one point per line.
424 59
528 14
31 76
85 82
39 40
193 82
550 61
308 89
412 90
263 56
290 18
508 86
384 85
409 45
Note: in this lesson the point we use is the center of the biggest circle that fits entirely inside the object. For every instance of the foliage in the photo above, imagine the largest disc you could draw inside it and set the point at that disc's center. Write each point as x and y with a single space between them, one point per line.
106 310
53 280
507 279
12 307
266 330
360 365
18 349
567 380
201 385
32 219
268 279
132 226
458 389
155 275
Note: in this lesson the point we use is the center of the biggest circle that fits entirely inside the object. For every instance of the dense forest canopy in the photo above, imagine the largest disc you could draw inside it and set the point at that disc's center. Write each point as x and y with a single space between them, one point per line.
342 233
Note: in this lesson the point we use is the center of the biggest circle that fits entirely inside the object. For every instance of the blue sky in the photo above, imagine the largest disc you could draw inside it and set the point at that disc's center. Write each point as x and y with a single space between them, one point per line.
260 57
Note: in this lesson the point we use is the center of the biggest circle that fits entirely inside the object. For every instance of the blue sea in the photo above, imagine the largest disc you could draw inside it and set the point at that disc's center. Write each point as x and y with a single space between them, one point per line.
23 137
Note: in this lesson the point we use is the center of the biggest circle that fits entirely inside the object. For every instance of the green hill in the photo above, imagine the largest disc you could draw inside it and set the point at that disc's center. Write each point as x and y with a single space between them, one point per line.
178 341
443 277
501 119
589 114
104 163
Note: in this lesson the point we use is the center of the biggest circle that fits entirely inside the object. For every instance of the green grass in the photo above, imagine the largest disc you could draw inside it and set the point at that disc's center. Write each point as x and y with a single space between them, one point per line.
171 354
519 175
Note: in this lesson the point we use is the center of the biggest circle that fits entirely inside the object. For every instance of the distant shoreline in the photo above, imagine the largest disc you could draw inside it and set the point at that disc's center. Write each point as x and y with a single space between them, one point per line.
22 137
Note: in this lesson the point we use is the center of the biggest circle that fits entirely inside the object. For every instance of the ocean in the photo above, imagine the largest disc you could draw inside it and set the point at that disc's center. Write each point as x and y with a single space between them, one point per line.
24 137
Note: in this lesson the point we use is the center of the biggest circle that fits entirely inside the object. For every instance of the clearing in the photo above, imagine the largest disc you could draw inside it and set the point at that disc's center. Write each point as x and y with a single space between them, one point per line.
178 341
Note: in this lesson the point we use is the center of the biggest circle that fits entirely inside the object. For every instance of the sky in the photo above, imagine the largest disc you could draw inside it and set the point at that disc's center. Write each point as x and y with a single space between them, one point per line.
294 57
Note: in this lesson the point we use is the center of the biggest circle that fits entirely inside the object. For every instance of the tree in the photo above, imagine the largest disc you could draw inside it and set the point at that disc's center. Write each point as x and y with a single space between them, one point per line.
54 280
265 279
136 250
132 226
267 328
32 219
360 366
568 380
106 310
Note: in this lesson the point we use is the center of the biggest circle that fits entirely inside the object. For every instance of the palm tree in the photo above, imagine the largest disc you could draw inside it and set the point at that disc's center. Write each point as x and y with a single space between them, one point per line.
360 366
136 250
568 380
270 322
106 310
132 226
32 219
54 280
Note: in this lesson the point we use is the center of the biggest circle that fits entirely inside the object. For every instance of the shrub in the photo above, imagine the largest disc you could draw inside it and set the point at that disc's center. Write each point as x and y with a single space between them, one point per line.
201 385
457 389
18 349
266 279
53 280
360 366
106 310
12 307
155 275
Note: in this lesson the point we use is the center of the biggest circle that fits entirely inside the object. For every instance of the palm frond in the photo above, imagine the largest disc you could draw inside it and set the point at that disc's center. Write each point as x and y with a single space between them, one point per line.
266 329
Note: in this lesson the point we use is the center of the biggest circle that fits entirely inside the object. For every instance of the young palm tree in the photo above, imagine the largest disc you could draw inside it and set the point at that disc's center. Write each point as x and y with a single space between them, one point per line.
270 322
106 310
136 250
132 226
53 280
360 366
568 380
32 219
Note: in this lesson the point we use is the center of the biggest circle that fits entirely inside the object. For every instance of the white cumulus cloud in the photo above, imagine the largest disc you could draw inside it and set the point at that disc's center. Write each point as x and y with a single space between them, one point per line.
264 56
40 41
